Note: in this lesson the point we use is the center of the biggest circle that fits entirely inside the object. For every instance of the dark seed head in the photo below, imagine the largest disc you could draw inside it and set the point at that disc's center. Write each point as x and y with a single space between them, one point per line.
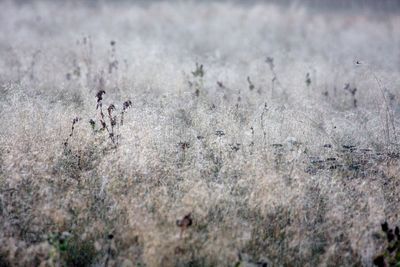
186 221
179 250
219 133
99 95
110 109
308 79
127 104
113 121
385 227
235 147
251 85
270 62
390 235
379 261
184 145
391 249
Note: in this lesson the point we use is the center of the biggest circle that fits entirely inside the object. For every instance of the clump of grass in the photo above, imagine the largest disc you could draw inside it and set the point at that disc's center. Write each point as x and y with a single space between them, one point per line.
111 125
391 255
199 71
69 250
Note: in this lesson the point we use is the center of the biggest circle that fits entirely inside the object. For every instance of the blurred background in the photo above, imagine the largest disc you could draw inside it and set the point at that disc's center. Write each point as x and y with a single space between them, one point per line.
343 5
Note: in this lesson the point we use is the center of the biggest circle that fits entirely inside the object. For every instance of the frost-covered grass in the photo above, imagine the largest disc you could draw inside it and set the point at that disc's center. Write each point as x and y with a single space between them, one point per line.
276 129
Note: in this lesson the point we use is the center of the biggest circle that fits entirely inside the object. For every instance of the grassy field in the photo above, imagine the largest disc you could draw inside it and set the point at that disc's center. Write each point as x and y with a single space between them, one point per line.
198 134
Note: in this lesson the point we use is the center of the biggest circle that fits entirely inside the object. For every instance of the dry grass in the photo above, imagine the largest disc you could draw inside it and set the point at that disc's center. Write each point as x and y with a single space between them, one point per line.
246 117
